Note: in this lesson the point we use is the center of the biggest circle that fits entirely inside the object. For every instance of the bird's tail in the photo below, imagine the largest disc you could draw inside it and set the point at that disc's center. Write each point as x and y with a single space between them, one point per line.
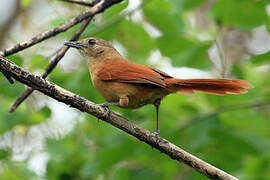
210 86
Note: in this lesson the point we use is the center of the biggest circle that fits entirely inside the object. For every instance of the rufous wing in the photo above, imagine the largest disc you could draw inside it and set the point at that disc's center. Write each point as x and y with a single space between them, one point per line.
128 72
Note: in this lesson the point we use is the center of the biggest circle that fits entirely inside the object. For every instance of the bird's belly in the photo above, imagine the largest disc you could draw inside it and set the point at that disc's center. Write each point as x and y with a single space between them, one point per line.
137 94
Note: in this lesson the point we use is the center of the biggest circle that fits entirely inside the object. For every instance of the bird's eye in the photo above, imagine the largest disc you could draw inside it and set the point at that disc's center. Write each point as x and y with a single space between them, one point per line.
92 42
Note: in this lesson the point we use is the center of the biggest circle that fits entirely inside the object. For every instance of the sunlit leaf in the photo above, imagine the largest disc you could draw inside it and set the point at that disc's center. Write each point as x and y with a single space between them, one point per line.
16 59
261 58
184 51
4 154
39 62
115 10
16 171
39 116
25 3
186 4
159 13
244 14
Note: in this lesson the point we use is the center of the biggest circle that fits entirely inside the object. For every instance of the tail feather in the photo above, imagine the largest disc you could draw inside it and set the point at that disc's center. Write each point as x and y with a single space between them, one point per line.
210 86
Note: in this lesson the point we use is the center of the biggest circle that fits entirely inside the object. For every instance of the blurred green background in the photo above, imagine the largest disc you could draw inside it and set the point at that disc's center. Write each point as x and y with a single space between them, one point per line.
45 139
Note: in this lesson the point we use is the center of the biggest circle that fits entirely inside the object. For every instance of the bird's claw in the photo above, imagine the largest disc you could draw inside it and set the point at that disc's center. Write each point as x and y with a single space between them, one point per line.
105 106
157 131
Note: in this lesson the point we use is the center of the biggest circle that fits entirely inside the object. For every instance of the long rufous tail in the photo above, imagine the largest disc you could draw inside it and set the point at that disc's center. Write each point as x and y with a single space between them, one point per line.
210 86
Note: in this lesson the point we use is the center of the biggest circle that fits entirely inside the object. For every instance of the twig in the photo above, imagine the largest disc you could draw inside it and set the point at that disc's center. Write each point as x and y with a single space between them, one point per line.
84 105
245 105
60 54
97 8
82 2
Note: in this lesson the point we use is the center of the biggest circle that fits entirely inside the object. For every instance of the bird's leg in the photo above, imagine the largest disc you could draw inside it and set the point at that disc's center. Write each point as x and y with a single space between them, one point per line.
157 104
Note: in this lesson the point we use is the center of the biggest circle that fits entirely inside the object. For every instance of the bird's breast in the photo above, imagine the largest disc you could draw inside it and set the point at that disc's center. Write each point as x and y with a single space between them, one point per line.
137 94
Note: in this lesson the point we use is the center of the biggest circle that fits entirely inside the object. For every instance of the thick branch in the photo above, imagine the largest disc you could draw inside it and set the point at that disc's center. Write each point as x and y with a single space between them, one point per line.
51 66
97 8
76 101
82 2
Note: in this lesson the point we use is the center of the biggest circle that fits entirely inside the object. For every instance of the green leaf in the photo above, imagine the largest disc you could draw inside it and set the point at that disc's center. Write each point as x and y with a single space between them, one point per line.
57 21
268 24
16 59
25 3
7 120
139 45
261 58
256 167
39 116
7 90
4 154
115 10
224 140
16 171
246 123
39 62
133 36
184 51
238 72
159 13
244 14
186 4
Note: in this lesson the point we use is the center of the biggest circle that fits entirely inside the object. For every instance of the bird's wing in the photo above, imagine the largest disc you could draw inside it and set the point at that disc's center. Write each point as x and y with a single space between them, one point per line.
125 71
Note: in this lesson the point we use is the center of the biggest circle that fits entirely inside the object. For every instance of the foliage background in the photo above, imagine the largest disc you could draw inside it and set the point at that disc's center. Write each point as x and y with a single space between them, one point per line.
44 139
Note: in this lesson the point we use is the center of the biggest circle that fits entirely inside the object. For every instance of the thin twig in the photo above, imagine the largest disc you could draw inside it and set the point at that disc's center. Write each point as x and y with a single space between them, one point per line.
84 105
60 54
98 8
82 2
200 118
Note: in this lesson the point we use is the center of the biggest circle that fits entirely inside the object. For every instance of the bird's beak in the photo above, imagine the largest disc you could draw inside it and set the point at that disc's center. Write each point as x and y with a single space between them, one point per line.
74 44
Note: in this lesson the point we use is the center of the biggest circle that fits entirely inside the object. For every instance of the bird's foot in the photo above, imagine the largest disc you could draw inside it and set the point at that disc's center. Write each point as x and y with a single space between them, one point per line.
156 133
107 109
157 137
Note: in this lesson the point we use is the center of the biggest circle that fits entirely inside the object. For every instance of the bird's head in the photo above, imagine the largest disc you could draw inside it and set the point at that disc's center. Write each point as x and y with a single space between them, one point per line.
93 47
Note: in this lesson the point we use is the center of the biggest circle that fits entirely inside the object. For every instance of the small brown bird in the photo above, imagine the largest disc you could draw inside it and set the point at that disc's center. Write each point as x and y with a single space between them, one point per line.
130 85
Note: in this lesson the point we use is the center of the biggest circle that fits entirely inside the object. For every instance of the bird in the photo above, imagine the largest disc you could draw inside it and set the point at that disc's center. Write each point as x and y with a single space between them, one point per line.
130 85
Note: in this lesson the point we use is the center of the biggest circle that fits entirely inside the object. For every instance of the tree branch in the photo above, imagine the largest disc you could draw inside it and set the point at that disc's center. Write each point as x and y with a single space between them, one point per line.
84 105
60 54
82 2
97 8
